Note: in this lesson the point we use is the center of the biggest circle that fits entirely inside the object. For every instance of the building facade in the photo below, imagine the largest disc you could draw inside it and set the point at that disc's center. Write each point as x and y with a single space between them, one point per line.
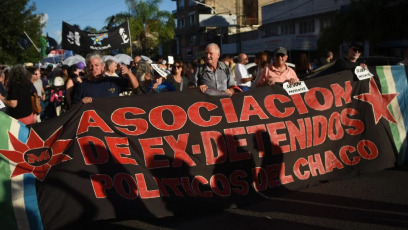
204 21
259 25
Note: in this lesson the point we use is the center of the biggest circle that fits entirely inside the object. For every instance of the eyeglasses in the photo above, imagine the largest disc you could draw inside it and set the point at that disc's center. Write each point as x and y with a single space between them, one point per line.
356 50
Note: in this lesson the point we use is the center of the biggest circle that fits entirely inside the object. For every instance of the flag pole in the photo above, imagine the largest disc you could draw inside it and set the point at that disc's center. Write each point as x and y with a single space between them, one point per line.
32 42
130 39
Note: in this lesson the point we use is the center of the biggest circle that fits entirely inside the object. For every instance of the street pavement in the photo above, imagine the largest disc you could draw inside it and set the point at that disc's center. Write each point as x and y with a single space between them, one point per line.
376 200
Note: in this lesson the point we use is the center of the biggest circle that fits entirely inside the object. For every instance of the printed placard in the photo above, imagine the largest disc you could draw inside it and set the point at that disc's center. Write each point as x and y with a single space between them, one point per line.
171 60
362 73
159 70
295 88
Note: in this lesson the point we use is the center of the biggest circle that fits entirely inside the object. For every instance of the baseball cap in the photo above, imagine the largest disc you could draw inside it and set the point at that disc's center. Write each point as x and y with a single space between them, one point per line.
281 50
356 44
81 65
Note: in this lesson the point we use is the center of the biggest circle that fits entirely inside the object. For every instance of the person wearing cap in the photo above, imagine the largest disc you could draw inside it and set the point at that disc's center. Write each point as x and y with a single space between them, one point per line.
99 86
214 75
350 62
278 71
75 74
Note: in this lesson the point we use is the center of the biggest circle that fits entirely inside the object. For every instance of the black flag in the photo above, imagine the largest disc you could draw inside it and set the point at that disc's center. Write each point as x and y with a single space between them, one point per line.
80 41
24 42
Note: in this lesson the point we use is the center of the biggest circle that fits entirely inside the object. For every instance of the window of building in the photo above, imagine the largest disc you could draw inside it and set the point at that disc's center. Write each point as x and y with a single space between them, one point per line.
181 23
250 9
325 22
288 28
271 30
193 40
307 26
181 4
192 18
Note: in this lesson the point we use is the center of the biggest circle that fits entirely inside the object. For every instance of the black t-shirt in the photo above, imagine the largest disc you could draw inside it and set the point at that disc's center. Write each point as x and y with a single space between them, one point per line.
344 63
179 86
21 93
104 87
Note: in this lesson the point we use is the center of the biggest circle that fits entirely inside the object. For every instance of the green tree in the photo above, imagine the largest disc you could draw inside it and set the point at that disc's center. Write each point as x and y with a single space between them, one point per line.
16 17
149 26
374 21
90 29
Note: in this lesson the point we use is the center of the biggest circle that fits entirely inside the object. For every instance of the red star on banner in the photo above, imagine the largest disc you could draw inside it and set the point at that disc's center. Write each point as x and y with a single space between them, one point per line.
37 156
379 102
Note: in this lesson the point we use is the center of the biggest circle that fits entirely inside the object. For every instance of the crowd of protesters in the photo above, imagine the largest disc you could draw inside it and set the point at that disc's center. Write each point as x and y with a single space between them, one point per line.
59 87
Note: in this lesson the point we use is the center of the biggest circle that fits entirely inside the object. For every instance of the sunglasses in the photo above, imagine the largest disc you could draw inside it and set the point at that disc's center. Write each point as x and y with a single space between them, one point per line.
279 55
177 66
356 50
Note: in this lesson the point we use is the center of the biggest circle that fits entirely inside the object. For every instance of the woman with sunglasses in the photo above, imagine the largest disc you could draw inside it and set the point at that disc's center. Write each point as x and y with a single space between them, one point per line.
176 77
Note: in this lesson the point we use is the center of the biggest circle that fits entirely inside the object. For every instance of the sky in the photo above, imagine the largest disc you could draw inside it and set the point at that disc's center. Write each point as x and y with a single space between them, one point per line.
82 12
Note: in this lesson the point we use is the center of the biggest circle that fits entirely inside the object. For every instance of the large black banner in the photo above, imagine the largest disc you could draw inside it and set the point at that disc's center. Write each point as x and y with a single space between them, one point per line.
80 41
184 152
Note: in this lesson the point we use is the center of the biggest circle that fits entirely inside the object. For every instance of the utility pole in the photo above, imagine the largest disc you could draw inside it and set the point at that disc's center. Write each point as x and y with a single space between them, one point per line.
239 20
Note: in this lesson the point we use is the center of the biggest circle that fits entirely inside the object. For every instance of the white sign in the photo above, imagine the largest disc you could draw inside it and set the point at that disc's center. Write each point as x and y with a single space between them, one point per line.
159 70
171 60
362 73
295 88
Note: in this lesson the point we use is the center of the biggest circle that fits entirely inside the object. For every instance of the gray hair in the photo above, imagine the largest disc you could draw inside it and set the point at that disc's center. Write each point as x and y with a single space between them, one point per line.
215 46
109 62
93 55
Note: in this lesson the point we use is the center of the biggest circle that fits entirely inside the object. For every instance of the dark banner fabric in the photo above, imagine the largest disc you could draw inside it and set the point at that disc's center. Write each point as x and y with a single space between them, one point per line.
77 40
186 152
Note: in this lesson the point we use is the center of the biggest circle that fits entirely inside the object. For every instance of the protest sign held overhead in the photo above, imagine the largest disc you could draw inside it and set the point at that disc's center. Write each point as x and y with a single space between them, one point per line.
80 41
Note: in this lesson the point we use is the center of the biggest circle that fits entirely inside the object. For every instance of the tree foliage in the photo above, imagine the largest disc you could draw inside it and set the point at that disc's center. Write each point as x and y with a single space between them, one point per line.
16 17
367 20
149 26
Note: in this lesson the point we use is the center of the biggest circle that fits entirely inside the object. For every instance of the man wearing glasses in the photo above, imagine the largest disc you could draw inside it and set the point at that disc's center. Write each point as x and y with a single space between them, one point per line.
278 71
350 62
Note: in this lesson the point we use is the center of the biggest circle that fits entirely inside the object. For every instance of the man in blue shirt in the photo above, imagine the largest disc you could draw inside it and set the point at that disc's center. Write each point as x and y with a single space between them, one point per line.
99 86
